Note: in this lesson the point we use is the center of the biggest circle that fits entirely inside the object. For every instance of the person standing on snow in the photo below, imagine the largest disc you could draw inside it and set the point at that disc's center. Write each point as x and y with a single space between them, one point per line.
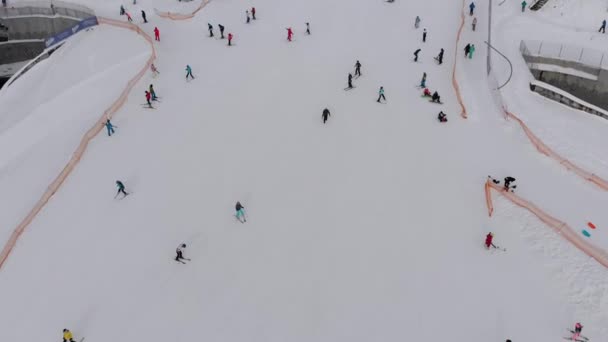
308 28
289 33
230 39
381 94
221 30
67 336
350 81
603 27
189 69
442 117
489 243
253 13
325 115
417 22
109 127
129 19
439 57
156 34
467 48
474 24
578 328
179 251
424 35
471 51
423 81
416 55
357 69
122 10
153 93
523 6
240 212
210 27
148 98
248 18
472 8
143 15
121 189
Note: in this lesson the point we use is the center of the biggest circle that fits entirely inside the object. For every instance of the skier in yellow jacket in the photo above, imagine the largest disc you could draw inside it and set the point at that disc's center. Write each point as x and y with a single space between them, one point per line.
67 336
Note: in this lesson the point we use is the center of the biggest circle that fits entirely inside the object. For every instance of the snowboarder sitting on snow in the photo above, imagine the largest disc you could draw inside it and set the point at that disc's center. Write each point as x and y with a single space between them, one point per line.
67 336
426 92
495 181
121 188
508 181
489 243
325 115
578 328
240 212
436 97
442 117
110 127
179 251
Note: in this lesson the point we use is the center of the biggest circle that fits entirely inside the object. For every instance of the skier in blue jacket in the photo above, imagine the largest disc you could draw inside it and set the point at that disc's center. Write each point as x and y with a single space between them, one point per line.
471 8
121 188
110 127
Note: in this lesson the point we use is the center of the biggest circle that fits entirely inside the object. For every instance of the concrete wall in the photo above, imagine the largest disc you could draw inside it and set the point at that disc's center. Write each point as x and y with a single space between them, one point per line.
592 91
36 27
566 98
17 51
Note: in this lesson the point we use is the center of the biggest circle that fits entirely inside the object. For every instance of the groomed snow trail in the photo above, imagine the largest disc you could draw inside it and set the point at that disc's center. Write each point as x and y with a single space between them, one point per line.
369 227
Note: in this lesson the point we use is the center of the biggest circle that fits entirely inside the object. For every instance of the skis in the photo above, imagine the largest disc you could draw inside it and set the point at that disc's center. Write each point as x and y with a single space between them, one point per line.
431 101
580 338
146 106
180 260
238 219
349 88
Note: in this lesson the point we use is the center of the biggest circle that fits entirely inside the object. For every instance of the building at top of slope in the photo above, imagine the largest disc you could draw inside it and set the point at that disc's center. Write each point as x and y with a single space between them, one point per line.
26 25
578 71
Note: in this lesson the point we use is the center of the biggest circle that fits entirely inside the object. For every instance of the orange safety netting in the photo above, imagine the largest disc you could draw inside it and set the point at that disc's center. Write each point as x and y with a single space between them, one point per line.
558 226
463 110
546 150
179 16
84 142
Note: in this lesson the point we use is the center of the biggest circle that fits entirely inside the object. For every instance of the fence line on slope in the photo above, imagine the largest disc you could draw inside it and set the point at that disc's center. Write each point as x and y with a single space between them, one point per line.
84 142
546 150
463 110
560 227
179 16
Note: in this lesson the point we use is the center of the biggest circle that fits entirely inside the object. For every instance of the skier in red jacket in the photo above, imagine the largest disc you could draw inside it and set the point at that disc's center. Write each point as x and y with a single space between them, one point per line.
230 39
289 33
253 13
148 97
489 238
156 34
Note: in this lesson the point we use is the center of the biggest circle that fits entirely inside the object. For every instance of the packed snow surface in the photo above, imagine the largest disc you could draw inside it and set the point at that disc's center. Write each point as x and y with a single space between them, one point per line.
368 227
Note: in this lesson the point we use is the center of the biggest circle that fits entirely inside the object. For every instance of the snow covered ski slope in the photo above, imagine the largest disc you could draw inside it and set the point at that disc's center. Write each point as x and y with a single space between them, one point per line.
368 227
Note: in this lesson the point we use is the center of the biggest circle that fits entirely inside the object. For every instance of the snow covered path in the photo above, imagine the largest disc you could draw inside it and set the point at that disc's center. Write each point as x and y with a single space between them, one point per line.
368 227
